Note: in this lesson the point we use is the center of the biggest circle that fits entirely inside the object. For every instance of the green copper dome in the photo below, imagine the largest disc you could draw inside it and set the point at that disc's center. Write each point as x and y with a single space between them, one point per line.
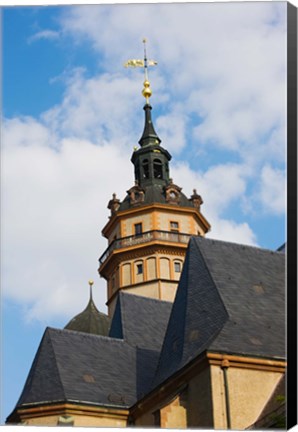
91 320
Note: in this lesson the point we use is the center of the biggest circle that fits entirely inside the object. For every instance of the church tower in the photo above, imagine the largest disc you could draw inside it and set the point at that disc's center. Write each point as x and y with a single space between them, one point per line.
148 232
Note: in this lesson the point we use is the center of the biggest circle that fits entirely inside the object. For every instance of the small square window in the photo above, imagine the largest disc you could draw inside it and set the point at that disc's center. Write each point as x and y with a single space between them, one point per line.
138 229
177 266
139 268
174 226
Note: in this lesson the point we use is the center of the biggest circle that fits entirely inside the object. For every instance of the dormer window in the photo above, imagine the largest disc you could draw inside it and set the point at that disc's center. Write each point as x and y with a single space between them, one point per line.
136 194
172 193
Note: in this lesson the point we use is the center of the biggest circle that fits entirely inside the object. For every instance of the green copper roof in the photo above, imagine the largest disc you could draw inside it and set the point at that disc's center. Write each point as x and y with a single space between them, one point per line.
91 320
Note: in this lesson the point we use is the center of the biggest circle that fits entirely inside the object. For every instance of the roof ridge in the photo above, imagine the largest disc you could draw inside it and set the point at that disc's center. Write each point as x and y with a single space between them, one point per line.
28 385
56 362
123 317
210 275
163 347
237 244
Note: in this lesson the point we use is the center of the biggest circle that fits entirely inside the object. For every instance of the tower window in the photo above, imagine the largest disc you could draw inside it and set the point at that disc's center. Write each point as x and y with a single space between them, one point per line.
138 228
174 226
140 268
145 169
157 168
177 267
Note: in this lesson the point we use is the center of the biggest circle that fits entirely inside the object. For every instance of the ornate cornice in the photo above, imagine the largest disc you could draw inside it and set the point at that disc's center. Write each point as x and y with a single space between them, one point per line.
66 408
123 214
118 256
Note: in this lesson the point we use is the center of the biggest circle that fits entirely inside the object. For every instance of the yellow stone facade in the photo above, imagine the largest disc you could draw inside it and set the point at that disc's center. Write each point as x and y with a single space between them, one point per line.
146 250
197 398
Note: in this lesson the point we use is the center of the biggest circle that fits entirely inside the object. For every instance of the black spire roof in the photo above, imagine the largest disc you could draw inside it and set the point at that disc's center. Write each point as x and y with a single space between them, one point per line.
152 173
149 136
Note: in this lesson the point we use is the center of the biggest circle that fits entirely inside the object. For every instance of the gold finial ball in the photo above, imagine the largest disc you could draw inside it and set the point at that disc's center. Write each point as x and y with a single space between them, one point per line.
146 92
90 282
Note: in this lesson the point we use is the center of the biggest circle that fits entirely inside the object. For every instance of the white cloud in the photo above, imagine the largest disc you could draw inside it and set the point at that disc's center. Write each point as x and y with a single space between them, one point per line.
219 187
96 109
172 129
44 34
272 193
233 80
54 202
219 84
53 209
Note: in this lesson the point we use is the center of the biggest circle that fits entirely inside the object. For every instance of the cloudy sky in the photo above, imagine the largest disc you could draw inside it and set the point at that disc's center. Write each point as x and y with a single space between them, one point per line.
73 113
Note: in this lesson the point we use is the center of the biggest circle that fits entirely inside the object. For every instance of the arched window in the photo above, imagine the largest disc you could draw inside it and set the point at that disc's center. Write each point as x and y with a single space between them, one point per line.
157 168
145 169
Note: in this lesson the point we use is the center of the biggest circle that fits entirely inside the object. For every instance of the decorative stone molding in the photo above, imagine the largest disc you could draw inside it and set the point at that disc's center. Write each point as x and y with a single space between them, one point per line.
172 193
114 204
136 194
196 199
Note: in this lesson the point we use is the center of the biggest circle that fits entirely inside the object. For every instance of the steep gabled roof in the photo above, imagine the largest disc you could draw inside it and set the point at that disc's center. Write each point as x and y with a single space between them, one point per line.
43 382
251 282
230 298
74 366
79 367
198 314
140 321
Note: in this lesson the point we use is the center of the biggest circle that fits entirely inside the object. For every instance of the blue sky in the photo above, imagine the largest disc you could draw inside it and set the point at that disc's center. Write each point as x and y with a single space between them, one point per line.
73 113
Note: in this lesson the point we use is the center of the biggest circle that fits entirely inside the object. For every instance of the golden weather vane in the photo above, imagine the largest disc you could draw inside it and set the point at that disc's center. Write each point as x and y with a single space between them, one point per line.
146 92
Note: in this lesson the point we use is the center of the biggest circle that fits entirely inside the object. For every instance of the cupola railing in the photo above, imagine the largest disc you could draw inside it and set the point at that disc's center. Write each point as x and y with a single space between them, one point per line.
145 237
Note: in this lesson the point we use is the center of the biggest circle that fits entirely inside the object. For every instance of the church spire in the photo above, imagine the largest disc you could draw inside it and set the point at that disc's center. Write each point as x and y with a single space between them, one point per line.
149 136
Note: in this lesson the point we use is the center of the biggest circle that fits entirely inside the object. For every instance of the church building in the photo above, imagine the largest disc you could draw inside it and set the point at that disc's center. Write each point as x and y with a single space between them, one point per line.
195 331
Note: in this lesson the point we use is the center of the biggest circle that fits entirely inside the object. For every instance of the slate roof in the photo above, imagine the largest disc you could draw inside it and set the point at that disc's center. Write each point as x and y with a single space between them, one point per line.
79 367
141 321
91 320
107 371
231 299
